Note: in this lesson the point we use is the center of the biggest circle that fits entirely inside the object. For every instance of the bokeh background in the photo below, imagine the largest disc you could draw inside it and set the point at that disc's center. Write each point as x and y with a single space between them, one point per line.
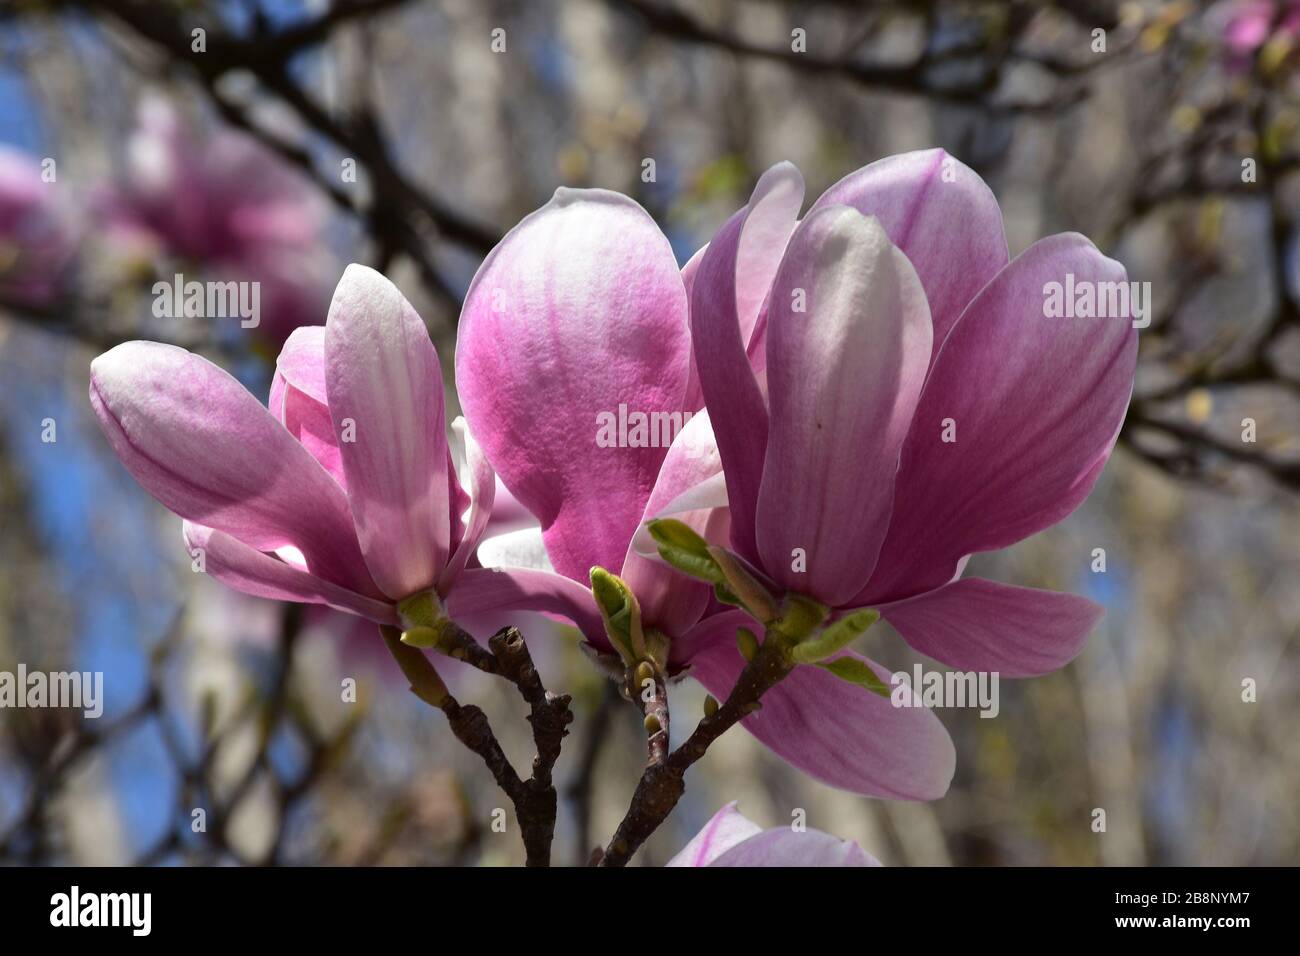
1167 132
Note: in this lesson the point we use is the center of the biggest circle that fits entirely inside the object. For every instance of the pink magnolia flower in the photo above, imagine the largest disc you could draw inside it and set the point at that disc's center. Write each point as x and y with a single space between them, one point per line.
35 242
732 839
226 204
345 492
580 309
916 405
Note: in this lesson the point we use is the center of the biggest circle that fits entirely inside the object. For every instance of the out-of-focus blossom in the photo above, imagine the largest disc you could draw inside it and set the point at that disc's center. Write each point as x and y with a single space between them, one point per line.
577 318
346 492
1247 26
732 839
35 241
226 205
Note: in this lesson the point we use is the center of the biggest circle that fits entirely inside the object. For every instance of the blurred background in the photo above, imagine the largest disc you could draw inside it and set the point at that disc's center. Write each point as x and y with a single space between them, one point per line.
278 140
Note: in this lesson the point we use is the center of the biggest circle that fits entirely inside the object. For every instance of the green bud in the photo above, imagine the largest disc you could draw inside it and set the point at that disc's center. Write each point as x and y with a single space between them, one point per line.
710 705
747 641
685 550
800 616
422 609
836 637
652 725
856 672
620 612
751 594
644 672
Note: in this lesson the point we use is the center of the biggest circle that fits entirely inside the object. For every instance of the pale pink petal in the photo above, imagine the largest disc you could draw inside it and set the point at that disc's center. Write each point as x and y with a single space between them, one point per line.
580 308
248 570
385 397
477 590
670 600
208 450
475 475
782 846
941 215
836 732
848 347
725 829
978 625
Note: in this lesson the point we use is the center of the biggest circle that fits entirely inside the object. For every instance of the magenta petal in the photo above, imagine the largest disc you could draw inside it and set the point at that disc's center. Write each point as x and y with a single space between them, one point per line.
580 309
385 397
246 569
1036 404
670 600
725 829
835 732
477 590
782 846
978 625
843 379
201 444
943 217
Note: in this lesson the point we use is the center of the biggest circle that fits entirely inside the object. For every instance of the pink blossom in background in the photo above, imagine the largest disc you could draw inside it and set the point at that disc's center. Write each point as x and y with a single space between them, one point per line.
347 492
582 308
227 206
1245 26
732 839
35 239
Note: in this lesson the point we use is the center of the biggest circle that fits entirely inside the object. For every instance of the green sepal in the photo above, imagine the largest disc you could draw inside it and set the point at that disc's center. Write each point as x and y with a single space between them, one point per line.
685 550
855 672
836 637
723 594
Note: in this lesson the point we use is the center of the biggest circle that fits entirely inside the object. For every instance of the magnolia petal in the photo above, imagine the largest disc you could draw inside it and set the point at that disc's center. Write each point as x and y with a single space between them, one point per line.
302 361
201 444
580 309
249 571
385 397
1034 404
670 600
725 829
979 625
521 548
475 475
477 590
844 375
782 846
943 217
835 732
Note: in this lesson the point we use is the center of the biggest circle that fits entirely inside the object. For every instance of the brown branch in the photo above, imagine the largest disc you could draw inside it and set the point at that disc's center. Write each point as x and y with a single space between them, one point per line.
663 783
535 800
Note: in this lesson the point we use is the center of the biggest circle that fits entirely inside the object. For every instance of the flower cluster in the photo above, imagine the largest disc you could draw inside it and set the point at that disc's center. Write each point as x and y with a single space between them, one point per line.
843 407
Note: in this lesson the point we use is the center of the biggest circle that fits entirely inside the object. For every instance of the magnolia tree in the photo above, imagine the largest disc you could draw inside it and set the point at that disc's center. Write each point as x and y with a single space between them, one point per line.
679 491
869 391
